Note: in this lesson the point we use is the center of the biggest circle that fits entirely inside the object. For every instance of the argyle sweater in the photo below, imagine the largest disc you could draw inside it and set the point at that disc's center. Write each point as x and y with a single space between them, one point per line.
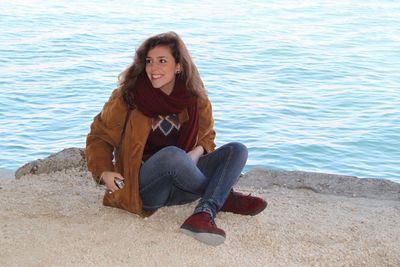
164 132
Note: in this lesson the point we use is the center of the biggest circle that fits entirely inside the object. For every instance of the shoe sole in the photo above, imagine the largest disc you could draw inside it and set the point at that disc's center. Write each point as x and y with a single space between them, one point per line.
207 238
259 210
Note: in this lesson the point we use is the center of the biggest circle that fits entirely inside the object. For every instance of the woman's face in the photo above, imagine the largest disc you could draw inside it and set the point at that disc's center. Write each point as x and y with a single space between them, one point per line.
161 68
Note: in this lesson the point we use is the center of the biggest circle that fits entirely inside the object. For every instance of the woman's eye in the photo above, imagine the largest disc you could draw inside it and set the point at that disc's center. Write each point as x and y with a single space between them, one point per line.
163 61
148 61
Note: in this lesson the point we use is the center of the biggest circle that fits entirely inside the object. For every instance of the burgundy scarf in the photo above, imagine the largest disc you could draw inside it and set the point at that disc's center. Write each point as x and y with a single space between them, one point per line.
153 102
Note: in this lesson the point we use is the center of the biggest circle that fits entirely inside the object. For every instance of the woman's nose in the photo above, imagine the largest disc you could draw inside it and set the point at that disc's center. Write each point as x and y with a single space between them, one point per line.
154 66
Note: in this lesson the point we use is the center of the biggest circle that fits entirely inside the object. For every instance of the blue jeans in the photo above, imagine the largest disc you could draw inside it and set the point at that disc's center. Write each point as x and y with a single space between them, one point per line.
170 177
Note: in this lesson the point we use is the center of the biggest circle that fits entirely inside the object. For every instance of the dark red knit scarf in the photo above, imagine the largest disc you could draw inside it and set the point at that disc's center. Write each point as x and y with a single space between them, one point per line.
153 102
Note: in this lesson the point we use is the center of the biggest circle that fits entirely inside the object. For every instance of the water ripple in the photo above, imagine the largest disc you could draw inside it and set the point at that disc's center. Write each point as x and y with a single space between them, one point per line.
306 85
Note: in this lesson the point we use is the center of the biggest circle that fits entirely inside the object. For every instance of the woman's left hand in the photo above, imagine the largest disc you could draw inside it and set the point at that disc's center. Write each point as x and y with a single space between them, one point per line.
196 153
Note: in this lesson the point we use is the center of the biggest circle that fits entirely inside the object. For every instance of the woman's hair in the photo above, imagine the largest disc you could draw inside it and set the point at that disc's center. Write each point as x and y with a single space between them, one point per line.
189 72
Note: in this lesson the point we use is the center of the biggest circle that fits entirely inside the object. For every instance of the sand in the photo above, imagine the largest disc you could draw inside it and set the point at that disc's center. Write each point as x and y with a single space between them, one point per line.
57 219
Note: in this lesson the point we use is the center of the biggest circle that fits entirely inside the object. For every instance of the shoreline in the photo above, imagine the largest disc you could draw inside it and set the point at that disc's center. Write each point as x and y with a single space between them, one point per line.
74 158
7 174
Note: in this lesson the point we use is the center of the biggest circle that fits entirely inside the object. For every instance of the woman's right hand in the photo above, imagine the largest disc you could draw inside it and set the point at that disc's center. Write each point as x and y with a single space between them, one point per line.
109 180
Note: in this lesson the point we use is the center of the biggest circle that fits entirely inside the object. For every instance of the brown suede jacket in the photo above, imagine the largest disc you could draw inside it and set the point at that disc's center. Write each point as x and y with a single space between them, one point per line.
106 151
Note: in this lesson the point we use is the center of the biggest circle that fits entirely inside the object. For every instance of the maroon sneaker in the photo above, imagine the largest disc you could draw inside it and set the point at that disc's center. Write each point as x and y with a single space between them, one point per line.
245 205
202 227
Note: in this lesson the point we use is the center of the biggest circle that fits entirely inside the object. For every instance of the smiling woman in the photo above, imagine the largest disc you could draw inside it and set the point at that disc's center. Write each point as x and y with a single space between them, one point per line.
158 129
169 53
161 68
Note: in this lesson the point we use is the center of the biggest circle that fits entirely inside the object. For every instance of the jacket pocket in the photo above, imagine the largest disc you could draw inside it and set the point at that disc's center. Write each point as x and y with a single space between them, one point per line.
112 199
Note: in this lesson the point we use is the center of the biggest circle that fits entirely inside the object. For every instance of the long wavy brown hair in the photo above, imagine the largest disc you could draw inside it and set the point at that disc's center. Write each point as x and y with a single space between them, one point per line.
189 72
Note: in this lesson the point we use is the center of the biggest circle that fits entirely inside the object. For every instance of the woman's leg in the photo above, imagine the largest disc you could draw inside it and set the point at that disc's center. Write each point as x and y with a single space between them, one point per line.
170 177
223 168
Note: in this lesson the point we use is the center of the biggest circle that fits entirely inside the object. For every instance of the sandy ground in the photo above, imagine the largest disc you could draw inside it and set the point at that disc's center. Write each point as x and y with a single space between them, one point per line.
58 220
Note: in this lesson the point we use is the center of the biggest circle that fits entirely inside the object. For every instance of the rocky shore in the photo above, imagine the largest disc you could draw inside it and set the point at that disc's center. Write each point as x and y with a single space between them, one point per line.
341 185
52 215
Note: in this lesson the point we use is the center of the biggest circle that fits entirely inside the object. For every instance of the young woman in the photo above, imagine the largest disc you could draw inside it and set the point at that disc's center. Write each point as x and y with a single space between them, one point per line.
152 145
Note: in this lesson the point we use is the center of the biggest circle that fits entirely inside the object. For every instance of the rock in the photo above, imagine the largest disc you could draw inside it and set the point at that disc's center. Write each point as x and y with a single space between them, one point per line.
341 185
66 159
349 186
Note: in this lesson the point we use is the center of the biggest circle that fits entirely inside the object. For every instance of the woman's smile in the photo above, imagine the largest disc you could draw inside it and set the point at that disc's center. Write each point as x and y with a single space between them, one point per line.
161 68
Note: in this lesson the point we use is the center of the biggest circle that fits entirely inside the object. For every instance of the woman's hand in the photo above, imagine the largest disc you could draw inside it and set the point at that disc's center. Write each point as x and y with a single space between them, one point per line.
109 180
196 153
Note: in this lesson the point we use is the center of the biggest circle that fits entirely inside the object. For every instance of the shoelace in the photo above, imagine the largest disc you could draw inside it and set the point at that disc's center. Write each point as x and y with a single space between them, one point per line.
237 196
211 220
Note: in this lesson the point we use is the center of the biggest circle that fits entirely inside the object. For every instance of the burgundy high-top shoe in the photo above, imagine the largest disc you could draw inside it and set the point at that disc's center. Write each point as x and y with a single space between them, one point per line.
202 227
243 204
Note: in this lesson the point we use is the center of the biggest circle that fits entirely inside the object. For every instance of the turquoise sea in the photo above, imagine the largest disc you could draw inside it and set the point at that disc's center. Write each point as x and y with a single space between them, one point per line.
306 85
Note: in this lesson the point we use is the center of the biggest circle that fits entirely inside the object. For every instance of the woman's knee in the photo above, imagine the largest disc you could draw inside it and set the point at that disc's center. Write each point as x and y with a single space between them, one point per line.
238 149
171 154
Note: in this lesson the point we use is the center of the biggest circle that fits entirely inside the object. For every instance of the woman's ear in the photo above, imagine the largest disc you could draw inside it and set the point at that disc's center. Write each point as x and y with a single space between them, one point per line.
178 69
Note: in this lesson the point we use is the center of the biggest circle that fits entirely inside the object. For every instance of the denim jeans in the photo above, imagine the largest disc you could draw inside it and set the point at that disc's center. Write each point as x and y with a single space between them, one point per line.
170 177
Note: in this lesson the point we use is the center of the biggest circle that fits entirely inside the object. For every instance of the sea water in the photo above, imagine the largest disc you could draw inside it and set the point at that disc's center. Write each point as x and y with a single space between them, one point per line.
306 85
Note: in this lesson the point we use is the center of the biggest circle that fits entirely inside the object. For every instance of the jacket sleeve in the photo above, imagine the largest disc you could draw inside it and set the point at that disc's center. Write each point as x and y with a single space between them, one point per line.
104 136
206 135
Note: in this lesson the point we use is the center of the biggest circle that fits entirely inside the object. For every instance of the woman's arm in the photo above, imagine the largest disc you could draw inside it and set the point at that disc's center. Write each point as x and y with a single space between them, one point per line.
104 136
196 153
206 134
99 150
